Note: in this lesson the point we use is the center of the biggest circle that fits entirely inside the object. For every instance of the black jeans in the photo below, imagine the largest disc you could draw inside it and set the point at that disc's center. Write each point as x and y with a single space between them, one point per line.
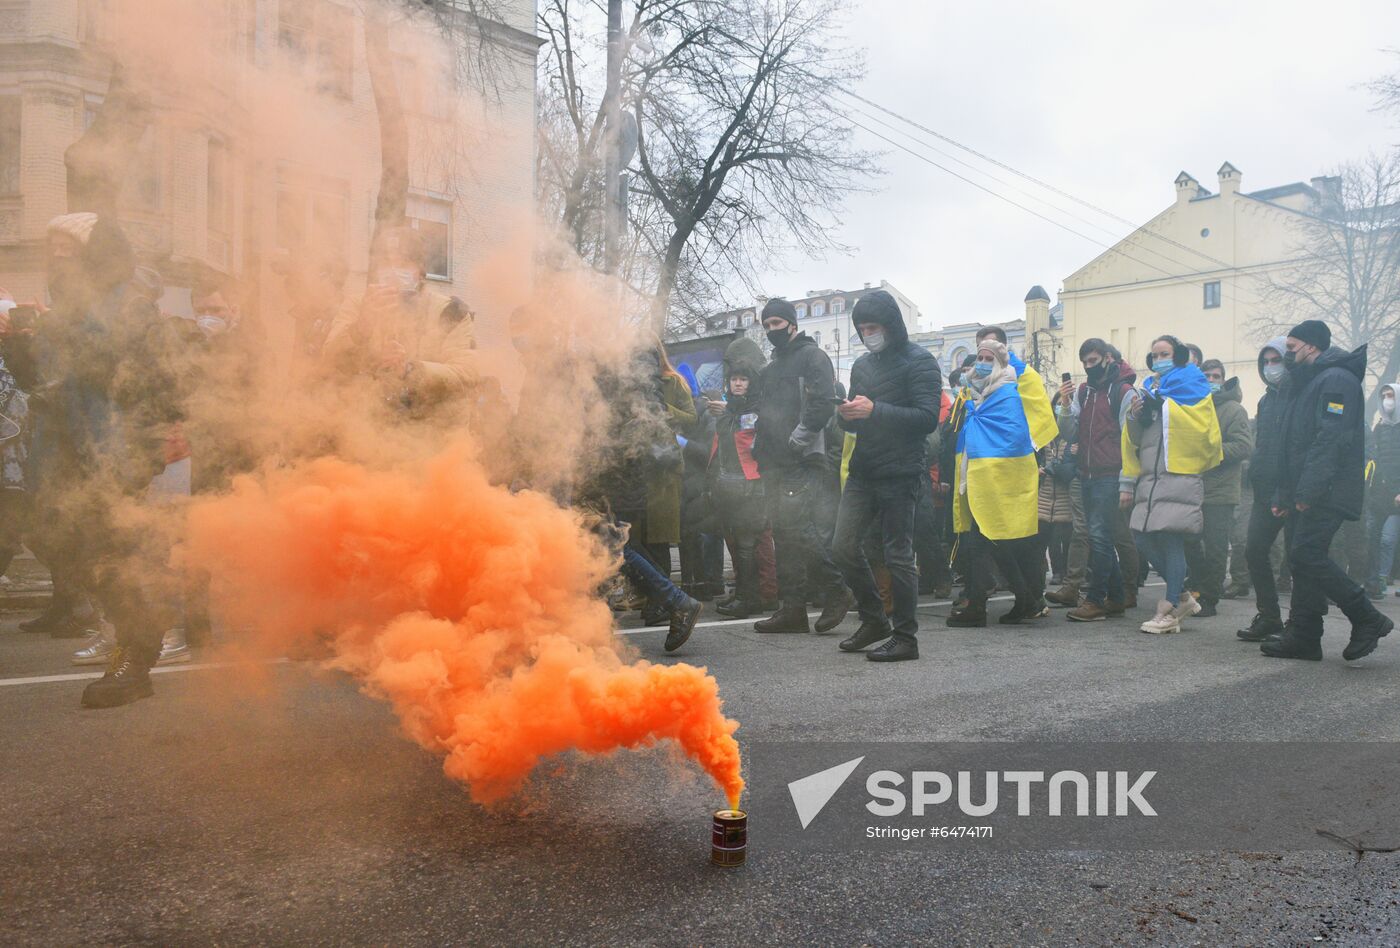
1316 578
928 540
801 547
739 507
890 503
1207 553
1022 561
1264 528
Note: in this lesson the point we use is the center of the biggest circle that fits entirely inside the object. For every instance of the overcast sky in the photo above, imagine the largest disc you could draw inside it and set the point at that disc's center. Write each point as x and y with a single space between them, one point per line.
1108 101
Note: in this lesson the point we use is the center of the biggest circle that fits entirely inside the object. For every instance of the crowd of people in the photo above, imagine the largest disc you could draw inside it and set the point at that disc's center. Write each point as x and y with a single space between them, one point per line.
868 498
840 499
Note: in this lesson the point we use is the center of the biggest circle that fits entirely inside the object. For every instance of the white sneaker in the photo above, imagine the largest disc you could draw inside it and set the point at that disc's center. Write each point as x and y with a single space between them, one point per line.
173 648
1164 622
99 646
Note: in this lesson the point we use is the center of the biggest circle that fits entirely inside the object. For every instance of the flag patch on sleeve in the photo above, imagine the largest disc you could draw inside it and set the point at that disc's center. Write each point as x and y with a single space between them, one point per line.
1334 407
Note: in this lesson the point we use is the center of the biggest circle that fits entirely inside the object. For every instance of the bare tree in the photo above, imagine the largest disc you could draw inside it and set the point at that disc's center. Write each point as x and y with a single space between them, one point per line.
744 151
1346 268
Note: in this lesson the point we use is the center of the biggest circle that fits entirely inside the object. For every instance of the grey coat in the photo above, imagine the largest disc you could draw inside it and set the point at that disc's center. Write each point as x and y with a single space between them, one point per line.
1162 502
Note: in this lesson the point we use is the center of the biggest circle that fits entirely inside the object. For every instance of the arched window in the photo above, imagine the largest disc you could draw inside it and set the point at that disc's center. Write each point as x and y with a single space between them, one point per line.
838 305
818 309
817 337
801 310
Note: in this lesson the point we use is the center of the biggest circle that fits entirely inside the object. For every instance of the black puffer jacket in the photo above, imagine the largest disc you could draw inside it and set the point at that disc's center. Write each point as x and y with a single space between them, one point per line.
1268 431
1323 455
796 397
905 383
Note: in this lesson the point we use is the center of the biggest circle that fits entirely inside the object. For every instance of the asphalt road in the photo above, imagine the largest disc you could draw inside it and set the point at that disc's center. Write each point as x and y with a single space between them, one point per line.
284 807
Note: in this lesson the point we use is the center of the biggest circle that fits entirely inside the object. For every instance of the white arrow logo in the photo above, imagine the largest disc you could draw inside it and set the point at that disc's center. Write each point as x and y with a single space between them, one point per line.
812 793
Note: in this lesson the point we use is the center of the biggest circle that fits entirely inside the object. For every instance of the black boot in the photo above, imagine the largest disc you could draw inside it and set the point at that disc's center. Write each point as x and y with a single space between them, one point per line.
969 617
655 615
790 618
1012 617
683 618
1260 629
895 650
1365 635
738 609
1236 590
838 606
127 679
1292 644
867 635
1207 609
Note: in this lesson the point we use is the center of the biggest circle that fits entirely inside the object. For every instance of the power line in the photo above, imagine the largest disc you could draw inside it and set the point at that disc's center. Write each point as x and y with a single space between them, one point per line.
1172 277
1031 178
1034 197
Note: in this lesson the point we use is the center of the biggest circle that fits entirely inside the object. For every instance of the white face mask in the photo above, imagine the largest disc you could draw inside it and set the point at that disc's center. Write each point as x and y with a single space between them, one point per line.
212 325
1273 374
1388 404
874 341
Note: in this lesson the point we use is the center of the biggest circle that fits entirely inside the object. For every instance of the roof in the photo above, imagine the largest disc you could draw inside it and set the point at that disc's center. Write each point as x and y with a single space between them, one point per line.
1285 190
1037 293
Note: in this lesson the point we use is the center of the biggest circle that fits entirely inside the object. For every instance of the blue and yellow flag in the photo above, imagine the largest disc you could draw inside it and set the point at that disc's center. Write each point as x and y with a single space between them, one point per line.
996 453
1191 442
1040 414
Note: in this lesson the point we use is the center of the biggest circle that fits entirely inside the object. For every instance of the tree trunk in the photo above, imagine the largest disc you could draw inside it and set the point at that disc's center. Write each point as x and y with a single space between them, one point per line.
391 206
99 161
666 279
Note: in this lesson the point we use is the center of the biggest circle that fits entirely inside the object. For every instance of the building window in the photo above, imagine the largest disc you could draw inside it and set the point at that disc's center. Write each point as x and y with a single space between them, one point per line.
319 38
818 310
801 310
433 219
313 218
217 183
838 305
9 144
817 337
1212 294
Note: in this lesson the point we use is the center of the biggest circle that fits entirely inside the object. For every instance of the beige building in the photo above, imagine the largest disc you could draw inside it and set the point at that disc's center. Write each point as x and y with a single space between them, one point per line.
1197 270
188 205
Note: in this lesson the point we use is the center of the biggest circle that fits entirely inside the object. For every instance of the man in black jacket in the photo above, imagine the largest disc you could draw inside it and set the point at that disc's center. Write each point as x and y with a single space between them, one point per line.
1264 527
1322 459
893 405
795 401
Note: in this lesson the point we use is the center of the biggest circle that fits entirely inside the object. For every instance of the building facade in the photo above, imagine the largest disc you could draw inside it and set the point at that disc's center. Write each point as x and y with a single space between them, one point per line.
203 196
1198 270
825 315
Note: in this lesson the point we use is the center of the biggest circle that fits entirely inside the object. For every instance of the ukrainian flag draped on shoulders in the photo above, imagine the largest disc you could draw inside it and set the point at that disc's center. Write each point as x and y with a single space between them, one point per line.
1191 442
997 477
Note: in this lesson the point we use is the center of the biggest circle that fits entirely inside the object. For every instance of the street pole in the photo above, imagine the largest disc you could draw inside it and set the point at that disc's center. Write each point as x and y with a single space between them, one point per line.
612 142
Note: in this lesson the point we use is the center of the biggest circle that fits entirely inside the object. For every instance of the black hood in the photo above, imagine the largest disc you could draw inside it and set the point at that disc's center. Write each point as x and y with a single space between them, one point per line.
878 306
1337 357
746 355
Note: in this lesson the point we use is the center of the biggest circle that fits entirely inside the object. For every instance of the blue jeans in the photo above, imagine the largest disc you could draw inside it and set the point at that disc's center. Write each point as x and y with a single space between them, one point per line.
1166 552
1101 515
1389 533
659 589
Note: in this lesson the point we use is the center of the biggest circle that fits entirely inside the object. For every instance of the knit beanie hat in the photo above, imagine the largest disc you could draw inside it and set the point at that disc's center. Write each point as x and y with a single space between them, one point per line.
997 349
78 226
780 307
1314 332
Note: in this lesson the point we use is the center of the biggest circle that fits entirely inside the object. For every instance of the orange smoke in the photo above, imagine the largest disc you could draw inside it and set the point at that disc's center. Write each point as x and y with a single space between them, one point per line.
472 610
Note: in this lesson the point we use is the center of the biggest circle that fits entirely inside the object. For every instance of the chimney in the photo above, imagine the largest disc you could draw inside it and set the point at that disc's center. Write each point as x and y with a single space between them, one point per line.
1187 188
1037 312
1229 179
1329 194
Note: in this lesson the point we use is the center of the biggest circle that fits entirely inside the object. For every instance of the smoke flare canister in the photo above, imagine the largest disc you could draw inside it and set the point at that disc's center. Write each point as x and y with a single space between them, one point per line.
729 839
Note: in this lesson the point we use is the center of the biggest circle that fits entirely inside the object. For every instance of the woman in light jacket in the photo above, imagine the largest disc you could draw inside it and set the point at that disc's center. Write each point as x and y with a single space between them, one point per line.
1166 507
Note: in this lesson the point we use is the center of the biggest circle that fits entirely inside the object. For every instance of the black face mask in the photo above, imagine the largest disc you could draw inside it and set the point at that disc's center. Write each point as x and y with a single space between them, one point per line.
1097 373
779 337
1290 360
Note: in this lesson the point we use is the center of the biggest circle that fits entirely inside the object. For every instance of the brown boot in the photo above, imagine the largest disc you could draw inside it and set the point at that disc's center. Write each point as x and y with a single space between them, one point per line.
1087 612
1064 596
1130 597
1113 609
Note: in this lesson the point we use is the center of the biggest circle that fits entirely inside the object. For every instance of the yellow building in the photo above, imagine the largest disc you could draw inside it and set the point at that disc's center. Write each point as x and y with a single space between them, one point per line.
1198 270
